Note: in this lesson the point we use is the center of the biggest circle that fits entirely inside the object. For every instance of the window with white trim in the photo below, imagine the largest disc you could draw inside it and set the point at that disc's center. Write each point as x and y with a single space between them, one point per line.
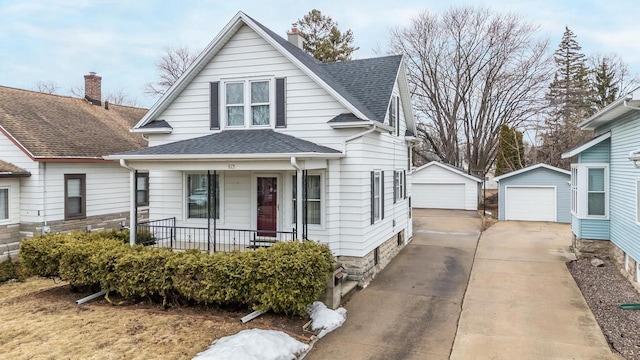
199 197
574 189
590 191
248 103
377 195
398 183
596 194
314 199
4 204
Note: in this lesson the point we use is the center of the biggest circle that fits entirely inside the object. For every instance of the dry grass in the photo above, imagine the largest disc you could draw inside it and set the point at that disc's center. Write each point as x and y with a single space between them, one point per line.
40 320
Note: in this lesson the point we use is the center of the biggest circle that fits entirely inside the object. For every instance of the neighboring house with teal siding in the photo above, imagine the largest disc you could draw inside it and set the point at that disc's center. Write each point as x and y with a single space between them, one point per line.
536 193
605 186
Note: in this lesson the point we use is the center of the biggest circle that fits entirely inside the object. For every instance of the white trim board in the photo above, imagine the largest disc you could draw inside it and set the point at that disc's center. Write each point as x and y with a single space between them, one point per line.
448 168
595 141
532 167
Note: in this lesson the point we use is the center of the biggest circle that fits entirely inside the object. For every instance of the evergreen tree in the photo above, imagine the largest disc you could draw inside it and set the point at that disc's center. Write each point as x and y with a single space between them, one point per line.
322 38
570 102
510 154
605 84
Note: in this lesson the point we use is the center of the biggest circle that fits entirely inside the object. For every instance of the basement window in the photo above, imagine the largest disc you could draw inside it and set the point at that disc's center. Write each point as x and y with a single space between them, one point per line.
376 256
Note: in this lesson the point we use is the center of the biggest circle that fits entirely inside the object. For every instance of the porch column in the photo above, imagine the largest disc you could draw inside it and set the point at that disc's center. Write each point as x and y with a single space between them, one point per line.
133 208
300 204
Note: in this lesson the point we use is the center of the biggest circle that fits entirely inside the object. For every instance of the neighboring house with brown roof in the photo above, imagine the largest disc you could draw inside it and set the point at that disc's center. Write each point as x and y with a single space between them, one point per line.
52 174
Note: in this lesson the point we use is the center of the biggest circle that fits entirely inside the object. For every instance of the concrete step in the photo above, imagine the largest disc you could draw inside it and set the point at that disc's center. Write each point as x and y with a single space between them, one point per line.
348 289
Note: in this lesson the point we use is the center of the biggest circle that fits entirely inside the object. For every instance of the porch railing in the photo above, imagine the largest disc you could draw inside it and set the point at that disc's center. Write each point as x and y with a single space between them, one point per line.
164 233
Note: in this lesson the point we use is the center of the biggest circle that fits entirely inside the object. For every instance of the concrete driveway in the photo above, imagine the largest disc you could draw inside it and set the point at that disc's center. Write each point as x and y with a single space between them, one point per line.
411 309
522 302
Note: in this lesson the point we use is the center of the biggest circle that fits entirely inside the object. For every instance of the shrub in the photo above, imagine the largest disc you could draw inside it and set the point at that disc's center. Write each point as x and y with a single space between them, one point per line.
11 270
284 278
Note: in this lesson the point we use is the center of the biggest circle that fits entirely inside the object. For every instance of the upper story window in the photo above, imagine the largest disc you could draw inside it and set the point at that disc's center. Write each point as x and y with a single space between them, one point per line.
590 190
248 103
394 114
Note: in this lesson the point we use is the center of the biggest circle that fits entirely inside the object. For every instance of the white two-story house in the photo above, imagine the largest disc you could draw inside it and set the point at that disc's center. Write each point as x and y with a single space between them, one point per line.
256 126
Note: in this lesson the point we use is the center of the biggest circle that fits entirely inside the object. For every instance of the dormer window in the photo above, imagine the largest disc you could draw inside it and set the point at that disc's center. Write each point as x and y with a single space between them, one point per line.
248 103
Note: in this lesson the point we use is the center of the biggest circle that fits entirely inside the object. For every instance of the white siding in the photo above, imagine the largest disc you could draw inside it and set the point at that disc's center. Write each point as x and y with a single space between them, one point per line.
107 188
435 174
13 185
31 187
309 106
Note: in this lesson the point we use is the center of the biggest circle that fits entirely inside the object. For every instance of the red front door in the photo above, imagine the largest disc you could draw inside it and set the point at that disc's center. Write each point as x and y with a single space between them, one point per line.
267 206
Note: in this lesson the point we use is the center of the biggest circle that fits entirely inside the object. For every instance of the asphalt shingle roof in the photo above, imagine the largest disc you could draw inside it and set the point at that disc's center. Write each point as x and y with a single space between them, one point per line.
157 124
346 117
365 83
265 141
8 169
53 126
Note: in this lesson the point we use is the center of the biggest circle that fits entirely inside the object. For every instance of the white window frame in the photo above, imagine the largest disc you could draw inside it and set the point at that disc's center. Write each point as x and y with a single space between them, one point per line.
185 197
399 185
377 174
290 199
248 113
8 218
574 189
582 183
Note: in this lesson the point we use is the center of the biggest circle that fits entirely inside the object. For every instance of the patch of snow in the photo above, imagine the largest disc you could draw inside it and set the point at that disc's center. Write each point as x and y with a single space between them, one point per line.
325 318
254 344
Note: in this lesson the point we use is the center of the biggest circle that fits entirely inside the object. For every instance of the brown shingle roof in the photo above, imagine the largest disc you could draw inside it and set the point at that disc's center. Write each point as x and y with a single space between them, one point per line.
53 126
8 169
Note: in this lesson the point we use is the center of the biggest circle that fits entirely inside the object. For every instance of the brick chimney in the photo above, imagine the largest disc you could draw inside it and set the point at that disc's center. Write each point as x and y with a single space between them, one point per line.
295 37
93 88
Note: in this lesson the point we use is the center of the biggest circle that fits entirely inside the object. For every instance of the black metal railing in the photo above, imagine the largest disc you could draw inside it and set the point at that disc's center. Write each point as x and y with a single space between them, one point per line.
165 234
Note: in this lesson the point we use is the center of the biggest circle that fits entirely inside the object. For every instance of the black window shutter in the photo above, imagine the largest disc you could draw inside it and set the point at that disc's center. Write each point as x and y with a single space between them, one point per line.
382 195
404 181
214 105
409 208
395 186
397 99
281 117
372 199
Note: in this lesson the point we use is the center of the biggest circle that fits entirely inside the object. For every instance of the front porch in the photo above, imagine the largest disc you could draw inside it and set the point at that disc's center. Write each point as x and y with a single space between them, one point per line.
165 233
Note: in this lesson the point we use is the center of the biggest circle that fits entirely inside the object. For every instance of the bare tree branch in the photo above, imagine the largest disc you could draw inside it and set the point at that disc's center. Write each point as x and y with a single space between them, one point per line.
471 71
47 87
173 63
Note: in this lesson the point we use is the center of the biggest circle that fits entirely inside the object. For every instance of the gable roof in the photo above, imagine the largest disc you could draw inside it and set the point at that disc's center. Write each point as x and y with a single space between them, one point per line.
234 144
363 95
595 141
532 167
10 170
450 168
46 126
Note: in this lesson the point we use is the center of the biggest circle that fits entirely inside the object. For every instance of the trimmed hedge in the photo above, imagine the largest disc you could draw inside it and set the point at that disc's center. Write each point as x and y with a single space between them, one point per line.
285 277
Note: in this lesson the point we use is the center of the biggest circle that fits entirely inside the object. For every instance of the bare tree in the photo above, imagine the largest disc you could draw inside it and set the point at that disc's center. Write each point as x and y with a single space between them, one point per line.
173 63
120 98
471 71
47 87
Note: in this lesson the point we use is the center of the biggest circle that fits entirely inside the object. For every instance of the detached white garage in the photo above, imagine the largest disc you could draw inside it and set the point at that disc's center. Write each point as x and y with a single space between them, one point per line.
441 186
536 193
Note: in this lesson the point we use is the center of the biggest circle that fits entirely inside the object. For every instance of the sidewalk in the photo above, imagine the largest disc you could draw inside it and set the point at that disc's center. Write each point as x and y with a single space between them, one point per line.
522 302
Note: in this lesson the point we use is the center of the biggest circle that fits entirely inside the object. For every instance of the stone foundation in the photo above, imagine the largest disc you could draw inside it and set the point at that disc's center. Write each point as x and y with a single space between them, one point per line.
584 248
364 269
112 221
9 233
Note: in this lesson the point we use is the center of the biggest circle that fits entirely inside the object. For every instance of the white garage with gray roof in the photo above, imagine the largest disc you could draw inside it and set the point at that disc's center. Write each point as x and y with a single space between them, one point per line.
536 193
442 186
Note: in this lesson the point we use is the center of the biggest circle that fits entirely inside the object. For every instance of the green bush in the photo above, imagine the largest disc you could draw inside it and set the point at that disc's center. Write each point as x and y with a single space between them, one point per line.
11 270
284 278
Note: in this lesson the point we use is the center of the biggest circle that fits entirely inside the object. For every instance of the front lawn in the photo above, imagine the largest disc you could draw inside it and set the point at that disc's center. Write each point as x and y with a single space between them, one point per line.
40 320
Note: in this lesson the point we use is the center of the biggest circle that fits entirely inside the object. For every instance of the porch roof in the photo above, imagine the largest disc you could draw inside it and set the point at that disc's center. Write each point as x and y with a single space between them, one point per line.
10 170
245 144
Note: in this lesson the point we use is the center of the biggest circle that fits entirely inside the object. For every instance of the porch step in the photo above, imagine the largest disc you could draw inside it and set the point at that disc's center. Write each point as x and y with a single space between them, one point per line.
349 288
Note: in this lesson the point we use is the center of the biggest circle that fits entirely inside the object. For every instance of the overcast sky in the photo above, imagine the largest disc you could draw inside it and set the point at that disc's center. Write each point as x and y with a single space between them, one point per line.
61 40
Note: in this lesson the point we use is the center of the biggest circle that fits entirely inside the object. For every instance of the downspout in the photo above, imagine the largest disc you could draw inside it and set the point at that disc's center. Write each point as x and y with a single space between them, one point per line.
133 211
295 165
369 131
45 226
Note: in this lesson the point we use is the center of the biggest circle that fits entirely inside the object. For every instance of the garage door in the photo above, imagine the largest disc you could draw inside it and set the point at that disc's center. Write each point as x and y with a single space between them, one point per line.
438 196
530 204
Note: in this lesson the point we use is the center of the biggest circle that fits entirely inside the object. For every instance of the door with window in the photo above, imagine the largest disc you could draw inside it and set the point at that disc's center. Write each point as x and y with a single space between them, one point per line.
267 205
